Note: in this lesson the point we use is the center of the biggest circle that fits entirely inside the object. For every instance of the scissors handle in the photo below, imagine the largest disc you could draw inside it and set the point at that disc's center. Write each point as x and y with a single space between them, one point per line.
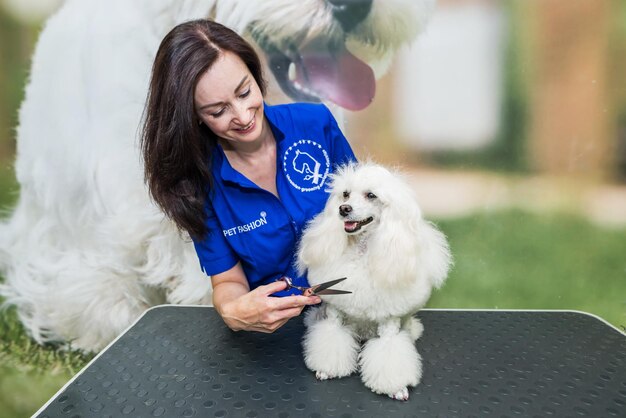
290 284
320 289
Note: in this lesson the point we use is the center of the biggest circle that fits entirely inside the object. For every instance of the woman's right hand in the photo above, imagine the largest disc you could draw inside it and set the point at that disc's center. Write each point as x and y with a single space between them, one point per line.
258 311
255 310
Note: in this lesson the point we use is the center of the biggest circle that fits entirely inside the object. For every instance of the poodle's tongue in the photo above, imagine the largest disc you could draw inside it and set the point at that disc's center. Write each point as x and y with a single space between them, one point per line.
339 77
350 226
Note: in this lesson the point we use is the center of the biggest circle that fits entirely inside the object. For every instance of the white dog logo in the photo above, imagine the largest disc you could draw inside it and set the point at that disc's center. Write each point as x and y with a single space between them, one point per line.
305 166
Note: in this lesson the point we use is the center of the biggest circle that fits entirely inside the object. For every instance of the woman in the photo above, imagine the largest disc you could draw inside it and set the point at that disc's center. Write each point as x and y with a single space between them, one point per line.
240 176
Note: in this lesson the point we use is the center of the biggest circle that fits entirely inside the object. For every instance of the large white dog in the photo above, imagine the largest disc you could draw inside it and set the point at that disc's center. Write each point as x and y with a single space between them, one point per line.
371 232
85 251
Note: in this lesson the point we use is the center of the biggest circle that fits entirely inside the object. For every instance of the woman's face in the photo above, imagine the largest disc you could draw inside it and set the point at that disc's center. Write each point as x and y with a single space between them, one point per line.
229 101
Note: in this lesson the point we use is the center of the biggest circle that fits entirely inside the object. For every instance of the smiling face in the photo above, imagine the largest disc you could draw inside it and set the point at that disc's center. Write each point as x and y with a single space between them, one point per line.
228 101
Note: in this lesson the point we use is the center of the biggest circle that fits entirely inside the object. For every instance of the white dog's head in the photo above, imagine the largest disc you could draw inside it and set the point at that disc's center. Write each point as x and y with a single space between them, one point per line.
375 209
368 195
327 50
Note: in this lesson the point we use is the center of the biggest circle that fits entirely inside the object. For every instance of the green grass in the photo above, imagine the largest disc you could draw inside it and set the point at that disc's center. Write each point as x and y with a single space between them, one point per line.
8 186
30 373
506 260
23 392
517 260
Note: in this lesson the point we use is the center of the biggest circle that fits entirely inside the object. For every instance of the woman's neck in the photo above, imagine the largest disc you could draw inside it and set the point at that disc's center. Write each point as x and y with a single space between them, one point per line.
256 161
249 151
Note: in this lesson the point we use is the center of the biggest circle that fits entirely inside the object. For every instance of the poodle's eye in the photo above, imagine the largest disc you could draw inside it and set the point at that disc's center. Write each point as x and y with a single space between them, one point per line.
371 196
346 194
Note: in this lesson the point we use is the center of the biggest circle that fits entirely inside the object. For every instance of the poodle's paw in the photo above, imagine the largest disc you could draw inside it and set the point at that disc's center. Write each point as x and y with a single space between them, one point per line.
323 376
330 350
401 395
331 371
390 364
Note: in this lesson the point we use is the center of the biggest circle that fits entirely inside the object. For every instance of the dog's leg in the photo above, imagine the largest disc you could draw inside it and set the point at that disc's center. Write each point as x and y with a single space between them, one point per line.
330 348
413 326
391 363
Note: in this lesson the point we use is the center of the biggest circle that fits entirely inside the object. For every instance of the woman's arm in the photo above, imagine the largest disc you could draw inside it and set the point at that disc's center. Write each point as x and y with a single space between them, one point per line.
256 310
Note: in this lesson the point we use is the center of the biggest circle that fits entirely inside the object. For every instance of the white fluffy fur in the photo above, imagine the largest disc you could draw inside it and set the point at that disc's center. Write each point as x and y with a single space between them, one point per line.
85 251
391 265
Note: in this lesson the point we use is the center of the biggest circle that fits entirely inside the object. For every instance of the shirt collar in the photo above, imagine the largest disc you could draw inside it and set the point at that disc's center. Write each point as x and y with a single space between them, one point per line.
271 115
225 171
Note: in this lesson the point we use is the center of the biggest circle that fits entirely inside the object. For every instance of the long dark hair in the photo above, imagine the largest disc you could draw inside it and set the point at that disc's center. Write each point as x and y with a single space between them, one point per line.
176 147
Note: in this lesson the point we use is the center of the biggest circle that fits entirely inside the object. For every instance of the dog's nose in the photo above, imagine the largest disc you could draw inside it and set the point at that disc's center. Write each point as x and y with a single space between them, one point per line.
344 210
350 13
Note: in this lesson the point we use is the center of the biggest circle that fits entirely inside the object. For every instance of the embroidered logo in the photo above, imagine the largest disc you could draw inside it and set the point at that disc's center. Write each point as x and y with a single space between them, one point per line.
306 165
240 229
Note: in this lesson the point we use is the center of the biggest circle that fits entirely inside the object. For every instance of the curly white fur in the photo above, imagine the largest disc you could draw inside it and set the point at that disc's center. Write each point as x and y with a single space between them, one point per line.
85 251
372 232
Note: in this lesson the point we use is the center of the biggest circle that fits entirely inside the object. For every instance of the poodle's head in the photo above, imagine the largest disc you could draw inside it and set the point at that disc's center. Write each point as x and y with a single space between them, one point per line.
375 209
366 195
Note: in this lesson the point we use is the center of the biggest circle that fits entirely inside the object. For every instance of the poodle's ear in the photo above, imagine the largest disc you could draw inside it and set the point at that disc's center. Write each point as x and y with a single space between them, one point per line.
393 247
323 240
404 250
405 246
435 255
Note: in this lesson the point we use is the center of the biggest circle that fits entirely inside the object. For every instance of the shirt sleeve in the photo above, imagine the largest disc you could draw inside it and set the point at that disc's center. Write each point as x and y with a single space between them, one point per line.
214 253
341 152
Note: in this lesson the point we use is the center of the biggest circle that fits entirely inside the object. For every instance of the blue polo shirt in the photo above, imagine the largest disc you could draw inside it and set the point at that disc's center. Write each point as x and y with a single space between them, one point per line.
250 224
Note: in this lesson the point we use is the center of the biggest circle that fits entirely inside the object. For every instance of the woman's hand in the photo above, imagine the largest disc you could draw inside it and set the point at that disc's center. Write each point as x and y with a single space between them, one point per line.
256 310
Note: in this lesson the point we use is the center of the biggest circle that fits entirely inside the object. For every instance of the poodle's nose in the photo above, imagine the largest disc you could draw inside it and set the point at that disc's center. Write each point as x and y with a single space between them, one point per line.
350 13
344 210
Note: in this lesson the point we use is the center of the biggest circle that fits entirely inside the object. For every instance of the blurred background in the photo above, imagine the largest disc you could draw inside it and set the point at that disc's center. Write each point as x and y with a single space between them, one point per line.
510 119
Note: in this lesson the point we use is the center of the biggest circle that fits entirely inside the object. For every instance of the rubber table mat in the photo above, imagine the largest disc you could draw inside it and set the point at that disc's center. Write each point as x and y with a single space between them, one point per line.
181 361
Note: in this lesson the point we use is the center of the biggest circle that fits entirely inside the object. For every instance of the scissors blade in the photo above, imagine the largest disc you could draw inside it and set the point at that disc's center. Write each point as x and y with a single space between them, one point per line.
322 286
332 292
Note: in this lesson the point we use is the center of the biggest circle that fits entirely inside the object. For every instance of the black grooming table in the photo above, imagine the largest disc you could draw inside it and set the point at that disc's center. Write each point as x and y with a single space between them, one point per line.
183 361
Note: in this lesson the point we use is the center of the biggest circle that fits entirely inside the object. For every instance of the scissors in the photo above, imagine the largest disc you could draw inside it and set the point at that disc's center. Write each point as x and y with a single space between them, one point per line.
320 289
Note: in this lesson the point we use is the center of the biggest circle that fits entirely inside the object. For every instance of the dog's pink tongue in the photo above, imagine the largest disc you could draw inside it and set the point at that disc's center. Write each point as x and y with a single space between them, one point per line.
341 78
349 226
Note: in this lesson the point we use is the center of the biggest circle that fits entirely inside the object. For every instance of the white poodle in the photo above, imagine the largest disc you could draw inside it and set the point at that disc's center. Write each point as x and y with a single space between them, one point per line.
373 233
85 251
